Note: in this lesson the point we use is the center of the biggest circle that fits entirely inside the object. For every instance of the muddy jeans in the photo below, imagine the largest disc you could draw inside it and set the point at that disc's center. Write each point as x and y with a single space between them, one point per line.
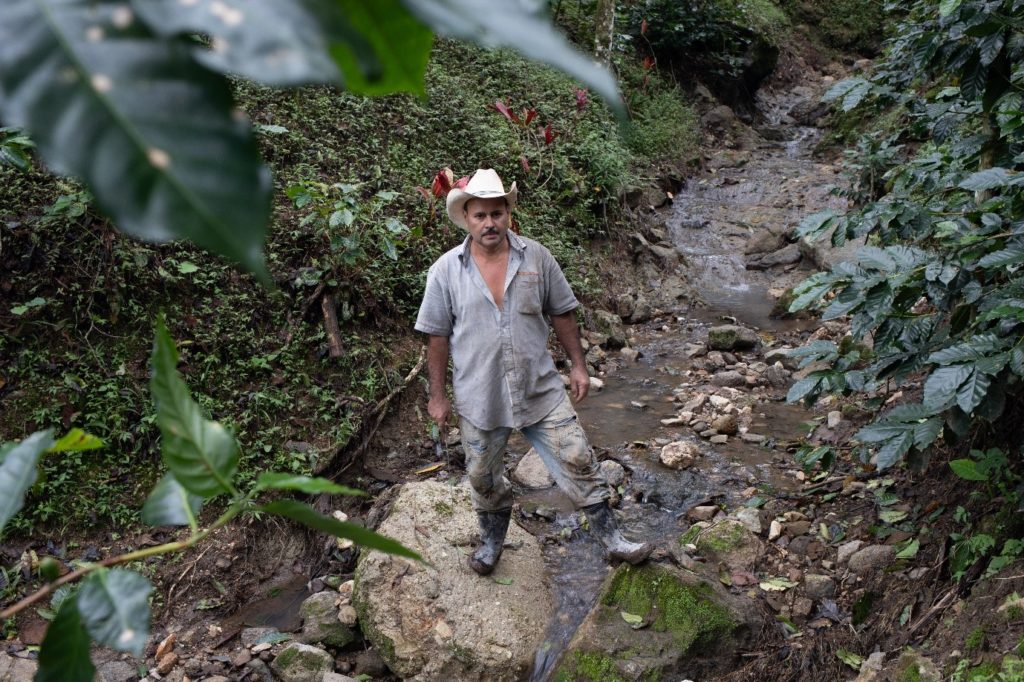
562 445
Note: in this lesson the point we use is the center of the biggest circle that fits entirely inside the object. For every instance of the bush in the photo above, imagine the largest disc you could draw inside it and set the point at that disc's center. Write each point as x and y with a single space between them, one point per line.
664 126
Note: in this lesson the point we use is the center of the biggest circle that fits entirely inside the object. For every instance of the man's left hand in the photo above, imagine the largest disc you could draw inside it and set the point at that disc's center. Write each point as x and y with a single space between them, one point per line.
579 383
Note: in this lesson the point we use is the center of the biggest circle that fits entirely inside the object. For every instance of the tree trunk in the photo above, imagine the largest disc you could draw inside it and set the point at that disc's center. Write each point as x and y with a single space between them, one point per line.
604 30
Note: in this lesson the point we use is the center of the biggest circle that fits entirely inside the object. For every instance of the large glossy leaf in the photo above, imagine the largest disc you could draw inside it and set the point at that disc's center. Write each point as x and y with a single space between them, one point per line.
114 606
941 386
400 44
521 26
170 504
307 516
64 655
154 135
77 440
201 453
18 472
973 391
893 450
989 178
305 484
273 42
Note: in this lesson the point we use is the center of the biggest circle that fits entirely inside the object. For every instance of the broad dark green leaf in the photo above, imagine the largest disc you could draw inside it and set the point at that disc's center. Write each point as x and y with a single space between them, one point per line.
961 352
967 469
307 516
973 391
202 454
926 432
268 41
114 605
816 224
893 451
18 471
989 47
879 433
875 258
64 654
840 89
990 178
1017 361
170 504
1011 255
803 388
524 27
941 386
154 135
306 484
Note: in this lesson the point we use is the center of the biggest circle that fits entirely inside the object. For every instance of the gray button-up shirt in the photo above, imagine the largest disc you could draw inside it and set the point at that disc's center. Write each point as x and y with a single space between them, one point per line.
503 374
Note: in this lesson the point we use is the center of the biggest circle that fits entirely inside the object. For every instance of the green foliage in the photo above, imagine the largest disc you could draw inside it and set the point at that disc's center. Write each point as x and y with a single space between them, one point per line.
111 607
663 126
939 289
841 24
14 148
178 161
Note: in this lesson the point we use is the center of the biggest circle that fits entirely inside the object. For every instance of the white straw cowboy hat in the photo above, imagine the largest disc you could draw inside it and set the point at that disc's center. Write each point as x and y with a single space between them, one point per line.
485 184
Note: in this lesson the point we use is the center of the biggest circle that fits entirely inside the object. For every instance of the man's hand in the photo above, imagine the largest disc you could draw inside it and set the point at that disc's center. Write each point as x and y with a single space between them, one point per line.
439 409
579 382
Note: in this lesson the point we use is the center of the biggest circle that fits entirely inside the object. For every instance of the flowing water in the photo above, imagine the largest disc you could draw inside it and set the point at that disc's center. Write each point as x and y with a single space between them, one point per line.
710 221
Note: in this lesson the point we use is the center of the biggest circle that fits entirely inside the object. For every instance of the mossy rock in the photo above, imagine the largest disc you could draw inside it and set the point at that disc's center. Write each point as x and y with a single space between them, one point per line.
732 337
913 667
729 542
687 625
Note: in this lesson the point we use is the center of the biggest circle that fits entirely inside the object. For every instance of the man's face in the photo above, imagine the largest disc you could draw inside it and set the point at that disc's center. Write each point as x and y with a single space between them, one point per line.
487 221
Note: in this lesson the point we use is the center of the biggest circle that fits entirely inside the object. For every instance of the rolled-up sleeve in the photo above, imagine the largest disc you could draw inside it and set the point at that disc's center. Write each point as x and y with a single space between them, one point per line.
558 297
435 316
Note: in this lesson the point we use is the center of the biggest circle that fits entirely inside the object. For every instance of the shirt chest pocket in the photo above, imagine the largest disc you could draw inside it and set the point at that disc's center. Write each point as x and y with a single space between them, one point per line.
527 289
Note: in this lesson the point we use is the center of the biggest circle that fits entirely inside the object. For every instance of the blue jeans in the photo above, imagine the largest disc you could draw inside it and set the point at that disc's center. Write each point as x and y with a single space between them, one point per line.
561 444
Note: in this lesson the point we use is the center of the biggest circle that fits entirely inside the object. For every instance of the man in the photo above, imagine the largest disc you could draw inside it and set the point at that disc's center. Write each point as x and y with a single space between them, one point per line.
486 303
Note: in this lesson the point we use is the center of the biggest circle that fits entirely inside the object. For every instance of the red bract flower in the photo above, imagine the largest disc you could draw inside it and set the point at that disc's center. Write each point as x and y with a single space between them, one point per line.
643 27
524 162
529 115
648 63
425 193
442 182
581 99
461 182
549 134
503 109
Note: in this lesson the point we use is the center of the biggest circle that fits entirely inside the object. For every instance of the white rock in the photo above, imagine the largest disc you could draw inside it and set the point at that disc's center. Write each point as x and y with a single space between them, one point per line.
596 384
680 454
720 402
834 418
531 471
774 530
750 518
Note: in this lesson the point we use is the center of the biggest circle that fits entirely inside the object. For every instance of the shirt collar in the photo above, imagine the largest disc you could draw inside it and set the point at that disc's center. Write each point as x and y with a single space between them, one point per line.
514 240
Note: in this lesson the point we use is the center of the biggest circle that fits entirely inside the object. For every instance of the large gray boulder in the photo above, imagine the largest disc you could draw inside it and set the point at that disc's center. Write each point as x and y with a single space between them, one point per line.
531 472
302 663
732 337
442 621
659 622
824 255
320 624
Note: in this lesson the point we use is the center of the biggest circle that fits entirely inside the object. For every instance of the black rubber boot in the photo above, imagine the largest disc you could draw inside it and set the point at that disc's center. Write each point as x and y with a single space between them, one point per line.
493 526
602 523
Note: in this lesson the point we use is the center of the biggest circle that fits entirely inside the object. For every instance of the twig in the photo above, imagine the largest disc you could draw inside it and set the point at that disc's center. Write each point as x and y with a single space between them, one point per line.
192 564
331 326
935 610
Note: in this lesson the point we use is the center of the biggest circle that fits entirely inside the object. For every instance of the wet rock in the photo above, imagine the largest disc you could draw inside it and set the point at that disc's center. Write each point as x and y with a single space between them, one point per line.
302 663
719 439
776 376
337 677
871 668
596 385
732 337
624 305
680 454
612 472
847 550
708 433
531 472
693 350
320 623
716 360
764 241
241 658
787 255
112 671
610 324
726 424
872 558
781 355
824 255
729 378
755 438
795 528
642 311
720 118
400 601
630 354
695 403
370 663
700 625
704 512
817 586
750 518
774 530
250 637
14 669
720 403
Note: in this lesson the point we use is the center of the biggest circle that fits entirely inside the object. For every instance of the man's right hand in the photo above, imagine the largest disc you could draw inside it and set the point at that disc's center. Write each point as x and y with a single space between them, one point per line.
439 409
